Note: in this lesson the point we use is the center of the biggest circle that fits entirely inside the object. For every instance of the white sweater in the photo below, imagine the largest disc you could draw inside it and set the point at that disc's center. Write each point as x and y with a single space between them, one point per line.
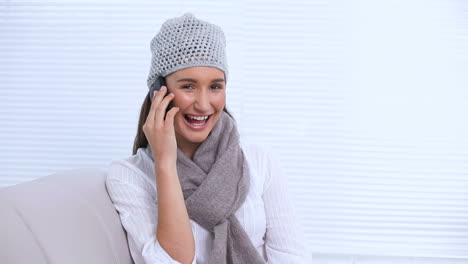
267 214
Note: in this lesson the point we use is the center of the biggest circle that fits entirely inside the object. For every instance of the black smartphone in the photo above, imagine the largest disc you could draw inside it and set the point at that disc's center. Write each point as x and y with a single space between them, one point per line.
161 81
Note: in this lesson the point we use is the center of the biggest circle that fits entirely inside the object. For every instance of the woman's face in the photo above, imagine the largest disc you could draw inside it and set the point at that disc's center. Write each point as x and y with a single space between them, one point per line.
199 92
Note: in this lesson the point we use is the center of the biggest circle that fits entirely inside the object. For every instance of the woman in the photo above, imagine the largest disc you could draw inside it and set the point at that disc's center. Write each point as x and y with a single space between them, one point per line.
193 192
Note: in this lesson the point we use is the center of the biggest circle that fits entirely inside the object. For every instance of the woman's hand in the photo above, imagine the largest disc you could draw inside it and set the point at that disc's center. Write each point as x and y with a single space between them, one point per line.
160 132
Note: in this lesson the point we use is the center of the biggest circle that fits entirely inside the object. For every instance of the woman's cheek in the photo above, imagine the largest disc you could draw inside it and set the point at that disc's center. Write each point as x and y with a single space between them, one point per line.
220 98
182 99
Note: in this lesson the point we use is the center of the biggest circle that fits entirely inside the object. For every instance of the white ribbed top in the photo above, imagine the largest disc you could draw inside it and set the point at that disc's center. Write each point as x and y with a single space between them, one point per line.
267 214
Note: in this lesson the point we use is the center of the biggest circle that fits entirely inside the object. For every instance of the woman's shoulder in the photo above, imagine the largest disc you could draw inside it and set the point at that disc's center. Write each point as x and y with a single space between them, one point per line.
136 169
262 159
258 153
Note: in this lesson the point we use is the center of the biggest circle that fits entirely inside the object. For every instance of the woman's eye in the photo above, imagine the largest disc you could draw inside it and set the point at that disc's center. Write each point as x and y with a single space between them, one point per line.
217 87
187 86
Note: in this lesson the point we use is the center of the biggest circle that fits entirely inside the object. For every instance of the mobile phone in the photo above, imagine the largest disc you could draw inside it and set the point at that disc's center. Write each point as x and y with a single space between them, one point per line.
161 81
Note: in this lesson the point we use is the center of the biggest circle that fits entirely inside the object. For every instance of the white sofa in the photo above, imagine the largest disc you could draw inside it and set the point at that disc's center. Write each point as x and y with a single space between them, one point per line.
66 217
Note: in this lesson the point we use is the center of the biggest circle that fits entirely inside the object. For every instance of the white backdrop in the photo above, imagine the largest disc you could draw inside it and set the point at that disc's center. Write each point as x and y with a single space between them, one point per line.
364 102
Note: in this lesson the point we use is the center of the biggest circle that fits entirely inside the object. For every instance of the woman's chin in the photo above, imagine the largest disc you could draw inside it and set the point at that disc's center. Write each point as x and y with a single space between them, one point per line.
194 137
197 137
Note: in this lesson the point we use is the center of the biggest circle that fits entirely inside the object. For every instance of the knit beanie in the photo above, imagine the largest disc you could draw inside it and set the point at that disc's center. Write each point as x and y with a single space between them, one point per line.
184 42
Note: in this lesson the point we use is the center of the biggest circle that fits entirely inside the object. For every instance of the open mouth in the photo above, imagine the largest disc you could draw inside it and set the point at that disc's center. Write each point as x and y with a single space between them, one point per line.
197 122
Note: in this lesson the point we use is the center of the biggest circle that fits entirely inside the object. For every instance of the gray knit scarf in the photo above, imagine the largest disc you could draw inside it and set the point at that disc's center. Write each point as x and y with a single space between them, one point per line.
215 184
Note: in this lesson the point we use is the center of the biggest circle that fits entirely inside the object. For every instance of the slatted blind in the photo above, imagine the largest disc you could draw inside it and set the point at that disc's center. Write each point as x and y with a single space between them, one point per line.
364 101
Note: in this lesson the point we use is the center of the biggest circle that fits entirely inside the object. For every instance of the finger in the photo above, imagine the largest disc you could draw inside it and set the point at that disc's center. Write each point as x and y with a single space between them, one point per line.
170 116
161 92
156 101
161 109
150 116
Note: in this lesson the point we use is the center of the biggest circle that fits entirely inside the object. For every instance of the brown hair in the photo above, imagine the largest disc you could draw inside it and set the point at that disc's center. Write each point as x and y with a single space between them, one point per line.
140 139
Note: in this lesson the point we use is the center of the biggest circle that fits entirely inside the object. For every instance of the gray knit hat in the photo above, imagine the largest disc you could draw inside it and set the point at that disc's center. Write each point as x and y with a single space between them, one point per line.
184 42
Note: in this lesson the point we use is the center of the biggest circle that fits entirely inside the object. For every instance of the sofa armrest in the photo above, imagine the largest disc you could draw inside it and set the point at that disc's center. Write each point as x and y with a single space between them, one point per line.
66 217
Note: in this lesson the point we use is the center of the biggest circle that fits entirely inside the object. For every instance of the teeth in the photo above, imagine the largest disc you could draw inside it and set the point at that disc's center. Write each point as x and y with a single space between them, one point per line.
198 117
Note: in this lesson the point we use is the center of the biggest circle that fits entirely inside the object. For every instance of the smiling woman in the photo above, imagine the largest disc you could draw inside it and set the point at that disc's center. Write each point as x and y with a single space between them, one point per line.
193 191
200 94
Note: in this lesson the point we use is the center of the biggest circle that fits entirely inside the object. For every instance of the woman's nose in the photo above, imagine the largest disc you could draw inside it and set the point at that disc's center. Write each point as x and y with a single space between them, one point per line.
202 102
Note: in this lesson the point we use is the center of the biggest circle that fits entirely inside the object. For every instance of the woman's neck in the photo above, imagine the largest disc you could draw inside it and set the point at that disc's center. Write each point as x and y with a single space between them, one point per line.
188 148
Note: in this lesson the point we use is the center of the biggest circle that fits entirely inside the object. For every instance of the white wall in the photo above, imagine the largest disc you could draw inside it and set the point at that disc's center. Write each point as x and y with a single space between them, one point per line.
364 101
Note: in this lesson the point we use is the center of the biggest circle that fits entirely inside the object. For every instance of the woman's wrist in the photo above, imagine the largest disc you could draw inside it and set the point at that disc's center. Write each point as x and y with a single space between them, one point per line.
164 167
